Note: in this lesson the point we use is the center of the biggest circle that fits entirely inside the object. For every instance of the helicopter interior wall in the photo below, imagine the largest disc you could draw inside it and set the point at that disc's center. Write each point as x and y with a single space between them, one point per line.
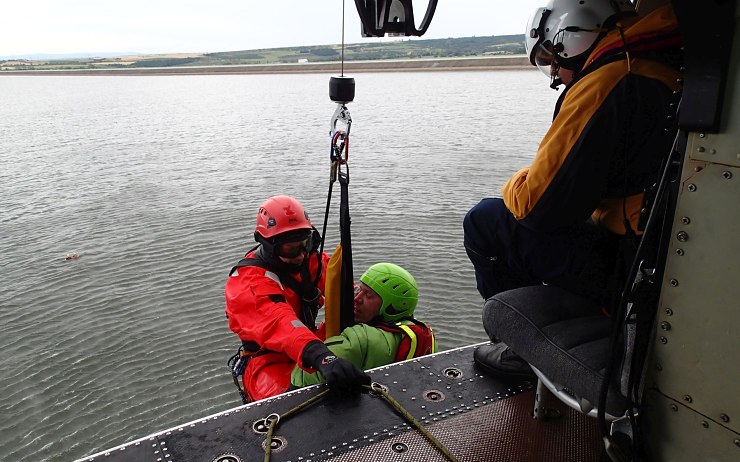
693 406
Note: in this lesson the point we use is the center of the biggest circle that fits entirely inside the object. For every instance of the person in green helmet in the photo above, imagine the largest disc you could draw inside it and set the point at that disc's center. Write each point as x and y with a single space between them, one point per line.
386 331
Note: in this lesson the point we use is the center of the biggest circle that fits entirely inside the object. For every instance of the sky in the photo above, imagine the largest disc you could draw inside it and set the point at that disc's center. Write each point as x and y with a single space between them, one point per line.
180 26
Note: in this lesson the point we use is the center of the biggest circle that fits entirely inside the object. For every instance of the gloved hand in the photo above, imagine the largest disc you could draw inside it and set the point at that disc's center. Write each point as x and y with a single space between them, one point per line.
341 375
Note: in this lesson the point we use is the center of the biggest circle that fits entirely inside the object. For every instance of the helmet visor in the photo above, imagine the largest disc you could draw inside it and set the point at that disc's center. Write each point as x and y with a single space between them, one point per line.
544 54
293 248
535 32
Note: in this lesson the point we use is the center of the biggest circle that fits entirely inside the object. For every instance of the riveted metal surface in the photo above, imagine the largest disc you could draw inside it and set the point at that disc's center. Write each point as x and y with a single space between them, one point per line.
690 344
331 426
701 438
151 449
499 431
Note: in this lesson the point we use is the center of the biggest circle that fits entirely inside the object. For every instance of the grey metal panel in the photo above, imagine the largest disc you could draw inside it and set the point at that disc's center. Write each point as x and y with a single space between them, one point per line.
697 340
681 434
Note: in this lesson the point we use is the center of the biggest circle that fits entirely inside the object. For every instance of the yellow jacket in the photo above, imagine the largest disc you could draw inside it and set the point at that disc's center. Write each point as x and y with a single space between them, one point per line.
608 136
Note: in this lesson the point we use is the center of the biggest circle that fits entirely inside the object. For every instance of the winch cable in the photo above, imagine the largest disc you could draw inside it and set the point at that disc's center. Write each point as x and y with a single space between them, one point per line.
341 91
332 176
374 389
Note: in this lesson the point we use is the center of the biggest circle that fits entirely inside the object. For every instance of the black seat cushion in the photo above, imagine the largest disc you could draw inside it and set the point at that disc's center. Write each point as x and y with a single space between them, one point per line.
564 335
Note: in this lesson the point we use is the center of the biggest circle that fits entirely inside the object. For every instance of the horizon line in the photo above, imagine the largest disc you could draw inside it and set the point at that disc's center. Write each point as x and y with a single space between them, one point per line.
108 54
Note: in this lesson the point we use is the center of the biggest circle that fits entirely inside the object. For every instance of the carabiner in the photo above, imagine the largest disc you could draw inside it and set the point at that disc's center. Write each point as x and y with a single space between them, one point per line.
339 147
339 143
341 114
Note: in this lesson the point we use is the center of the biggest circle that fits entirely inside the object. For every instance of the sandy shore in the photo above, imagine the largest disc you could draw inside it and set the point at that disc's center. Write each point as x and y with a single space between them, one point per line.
439 64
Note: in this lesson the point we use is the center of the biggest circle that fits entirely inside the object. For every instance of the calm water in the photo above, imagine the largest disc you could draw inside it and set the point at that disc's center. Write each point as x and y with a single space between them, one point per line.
155 182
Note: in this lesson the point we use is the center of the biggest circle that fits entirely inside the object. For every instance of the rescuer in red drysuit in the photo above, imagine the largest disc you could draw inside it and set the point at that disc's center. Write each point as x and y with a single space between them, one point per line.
272 297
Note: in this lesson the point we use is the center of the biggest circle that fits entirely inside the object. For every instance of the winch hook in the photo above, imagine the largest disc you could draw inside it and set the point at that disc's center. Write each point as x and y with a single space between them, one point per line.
341 91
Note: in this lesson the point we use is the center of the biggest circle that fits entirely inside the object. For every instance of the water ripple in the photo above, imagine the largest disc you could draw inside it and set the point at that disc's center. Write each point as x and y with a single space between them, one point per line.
155 182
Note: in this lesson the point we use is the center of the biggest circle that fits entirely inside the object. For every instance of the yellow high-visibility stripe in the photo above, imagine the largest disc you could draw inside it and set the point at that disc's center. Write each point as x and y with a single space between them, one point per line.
412 336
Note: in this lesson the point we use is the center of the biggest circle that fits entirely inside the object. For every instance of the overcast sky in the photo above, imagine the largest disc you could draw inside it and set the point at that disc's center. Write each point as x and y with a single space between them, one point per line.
179 26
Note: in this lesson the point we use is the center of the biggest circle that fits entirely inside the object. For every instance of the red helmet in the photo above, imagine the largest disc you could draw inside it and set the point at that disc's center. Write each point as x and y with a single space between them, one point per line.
281 214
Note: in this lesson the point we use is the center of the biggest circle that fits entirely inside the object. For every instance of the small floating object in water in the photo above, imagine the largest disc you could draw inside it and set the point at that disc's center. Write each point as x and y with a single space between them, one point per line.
72 256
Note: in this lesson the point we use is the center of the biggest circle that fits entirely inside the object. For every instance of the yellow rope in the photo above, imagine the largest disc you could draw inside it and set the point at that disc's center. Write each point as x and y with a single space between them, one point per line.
273 422
375 388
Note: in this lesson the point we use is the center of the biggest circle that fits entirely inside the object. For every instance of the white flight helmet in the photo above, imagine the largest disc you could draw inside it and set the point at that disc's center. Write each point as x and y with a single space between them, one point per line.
565 29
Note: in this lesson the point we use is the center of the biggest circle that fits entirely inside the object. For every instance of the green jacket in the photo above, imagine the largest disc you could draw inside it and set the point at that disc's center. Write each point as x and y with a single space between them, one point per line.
364 345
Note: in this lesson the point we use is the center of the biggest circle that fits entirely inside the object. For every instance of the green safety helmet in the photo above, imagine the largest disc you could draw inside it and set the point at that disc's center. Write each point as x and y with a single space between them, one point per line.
396 287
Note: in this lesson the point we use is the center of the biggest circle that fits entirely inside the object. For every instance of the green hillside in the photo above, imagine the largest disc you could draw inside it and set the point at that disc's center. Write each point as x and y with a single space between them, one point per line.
366 51
406 49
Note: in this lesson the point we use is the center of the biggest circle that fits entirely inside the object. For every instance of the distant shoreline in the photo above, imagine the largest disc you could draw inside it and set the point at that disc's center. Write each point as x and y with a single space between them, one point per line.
485 63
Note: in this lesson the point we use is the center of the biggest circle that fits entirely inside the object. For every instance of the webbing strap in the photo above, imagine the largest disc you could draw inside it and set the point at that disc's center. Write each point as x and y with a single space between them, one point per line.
347 293
412 336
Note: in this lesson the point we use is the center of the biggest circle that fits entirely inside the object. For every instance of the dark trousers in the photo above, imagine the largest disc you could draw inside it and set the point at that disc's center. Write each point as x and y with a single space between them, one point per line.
507 255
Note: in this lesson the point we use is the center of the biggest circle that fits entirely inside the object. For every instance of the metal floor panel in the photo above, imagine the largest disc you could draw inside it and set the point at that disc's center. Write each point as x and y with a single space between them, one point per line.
479 419
500 431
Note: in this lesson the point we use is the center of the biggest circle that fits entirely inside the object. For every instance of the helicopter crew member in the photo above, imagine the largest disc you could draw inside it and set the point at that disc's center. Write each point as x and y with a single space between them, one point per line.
563 220
386 331
272 298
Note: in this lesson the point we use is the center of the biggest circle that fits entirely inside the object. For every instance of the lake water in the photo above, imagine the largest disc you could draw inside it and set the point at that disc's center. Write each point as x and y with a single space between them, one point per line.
155 182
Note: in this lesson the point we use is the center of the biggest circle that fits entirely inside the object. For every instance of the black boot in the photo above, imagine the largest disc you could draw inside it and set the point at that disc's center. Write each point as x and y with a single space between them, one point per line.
498 360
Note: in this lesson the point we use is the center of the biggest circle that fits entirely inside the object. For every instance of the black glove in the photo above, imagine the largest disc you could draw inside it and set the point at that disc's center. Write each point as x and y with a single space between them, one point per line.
341 375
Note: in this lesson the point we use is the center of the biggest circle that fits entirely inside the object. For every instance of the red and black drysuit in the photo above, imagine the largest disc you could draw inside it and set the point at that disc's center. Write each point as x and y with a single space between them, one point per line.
266 313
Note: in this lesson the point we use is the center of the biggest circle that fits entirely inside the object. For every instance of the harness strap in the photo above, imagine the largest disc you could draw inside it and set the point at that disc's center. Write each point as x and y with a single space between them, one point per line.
347 292
412 336
309 293
249 346
415 336
649 42
638 47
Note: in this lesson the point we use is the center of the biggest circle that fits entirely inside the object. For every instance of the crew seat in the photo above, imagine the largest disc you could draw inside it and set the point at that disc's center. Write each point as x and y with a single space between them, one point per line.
564 337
